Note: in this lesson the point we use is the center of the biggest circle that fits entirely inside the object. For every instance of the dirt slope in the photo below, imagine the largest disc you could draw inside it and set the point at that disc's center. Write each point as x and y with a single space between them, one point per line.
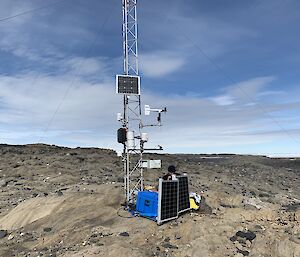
66 202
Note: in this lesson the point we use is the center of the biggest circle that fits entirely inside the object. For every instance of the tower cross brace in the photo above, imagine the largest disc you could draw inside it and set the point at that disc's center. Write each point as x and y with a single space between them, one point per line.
132 115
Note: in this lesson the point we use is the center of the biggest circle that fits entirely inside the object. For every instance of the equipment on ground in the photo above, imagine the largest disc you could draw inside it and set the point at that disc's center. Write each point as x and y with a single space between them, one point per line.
168 196
195 201
184 194
147 204
171 200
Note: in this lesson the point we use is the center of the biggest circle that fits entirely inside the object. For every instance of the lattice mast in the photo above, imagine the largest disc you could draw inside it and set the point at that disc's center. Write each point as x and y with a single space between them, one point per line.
132 116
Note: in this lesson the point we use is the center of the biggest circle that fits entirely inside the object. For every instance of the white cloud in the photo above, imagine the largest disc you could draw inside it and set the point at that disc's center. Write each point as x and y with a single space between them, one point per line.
159 64
247 91
195 123
223 100
86 117
87 66
28 104
44 35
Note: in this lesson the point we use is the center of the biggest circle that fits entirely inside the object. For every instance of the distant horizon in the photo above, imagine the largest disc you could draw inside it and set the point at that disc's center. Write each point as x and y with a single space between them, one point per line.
270 155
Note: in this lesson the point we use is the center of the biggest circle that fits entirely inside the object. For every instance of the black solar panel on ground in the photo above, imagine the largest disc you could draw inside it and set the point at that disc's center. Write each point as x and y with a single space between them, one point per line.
184 194
168 200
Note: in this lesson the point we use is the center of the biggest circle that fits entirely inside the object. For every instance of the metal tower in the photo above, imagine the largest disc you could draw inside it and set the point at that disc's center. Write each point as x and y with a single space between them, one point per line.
132 115
130 135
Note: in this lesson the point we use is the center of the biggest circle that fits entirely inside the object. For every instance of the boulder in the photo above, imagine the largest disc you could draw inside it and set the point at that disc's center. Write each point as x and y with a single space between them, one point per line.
3 183
3 233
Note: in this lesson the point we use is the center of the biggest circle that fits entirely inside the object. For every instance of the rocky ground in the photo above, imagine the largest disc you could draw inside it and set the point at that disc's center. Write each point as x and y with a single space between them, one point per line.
58 201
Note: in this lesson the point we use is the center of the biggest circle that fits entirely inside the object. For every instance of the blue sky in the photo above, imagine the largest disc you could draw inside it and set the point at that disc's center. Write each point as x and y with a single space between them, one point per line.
228 71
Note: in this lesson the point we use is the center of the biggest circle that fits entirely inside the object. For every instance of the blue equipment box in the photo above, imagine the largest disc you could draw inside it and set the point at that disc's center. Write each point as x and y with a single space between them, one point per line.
147 204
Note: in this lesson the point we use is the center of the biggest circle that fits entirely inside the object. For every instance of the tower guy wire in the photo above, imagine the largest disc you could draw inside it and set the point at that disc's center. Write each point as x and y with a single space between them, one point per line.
31 11
75 79
233 81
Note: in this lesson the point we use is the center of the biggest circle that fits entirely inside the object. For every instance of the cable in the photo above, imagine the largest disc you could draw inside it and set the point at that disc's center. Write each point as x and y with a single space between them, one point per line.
31 11
72 83
258 3
125 217
34 80
226 75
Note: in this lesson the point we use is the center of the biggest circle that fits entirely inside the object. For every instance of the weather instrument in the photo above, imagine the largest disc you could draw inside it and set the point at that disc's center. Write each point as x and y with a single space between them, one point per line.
148 111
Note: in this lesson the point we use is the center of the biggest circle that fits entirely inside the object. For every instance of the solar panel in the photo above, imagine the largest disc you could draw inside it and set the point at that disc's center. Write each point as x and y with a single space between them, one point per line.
167 200
128 84
184 194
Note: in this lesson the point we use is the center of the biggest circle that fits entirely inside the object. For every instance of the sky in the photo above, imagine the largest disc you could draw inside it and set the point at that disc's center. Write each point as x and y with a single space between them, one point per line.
228 72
